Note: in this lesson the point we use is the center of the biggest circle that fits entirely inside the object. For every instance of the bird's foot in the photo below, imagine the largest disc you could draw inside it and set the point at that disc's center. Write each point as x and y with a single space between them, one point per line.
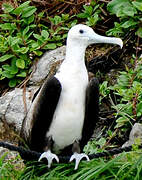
49 156
78 157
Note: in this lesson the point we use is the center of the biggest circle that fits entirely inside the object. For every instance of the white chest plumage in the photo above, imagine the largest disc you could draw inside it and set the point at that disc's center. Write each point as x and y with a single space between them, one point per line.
67 123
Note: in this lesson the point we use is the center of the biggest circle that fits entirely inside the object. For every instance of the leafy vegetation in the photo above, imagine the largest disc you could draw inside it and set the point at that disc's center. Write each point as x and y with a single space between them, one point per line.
130 16
125 166
23 37
128 93
91 13
10 169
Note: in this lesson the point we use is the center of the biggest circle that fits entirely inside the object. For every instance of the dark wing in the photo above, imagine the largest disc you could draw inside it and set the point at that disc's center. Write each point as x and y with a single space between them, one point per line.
91 111
36 93
41 114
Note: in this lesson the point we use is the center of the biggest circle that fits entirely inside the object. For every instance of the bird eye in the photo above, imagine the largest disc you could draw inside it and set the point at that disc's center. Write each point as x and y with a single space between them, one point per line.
81 31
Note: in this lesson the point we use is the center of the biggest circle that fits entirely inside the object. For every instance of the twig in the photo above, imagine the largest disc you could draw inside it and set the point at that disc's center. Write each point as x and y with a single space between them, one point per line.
27 78
24 99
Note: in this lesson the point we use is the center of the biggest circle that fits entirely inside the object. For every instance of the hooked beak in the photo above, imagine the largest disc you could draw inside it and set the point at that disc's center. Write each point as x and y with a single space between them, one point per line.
103 39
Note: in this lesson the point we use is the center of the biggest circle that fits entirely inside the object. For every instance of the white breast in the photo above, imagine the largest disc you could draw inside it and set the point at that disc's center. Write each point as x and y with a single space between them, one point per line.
68 118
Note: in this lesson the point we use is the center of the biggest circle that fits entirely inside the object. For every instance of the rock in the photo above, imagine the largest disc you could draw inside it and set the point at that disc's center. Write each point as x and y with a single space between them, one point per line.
11 156
136 133
12 108
4 102
49 60
7 153
2 128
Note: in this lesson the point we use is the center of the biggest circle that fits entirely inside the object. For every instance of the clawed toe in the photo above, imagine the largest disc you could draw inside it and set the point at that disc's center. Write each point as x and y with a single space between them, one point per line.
78 157
49 156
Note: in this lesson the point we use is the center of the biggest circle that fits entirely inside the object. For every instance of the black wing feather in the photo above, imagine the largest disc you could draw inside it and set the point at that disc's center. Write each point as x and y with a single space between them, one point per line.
91 111
43 113
36 93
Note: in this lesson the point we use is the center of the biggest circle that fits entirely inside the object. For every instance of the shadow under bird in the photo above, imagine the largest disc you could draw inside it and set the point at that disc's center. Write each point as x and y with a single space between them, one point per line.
64 111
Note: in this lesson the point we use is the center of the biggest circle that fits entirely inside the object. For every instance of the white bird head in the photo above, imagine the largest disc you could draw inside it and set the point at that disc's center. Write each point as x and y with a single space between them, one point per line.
84 35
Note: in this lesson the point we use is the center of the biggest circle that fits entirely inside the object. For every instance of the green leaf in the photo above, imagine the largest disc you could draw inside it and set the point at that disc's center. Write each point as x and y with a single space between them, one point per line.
139 32
137 85
117 30
45 34
6 67
15 40
11 69
139 109
35 45
129 11
26 30
82 15
41 14
6 17
101 142
138 5
38 53
8 26
92 20
65 17
14 69
7 74
22 74
19 9
129 23
121 122
6 57
59 44
88 9
56 20
27 36
22 50
123 80
32 26
104 89
50 46
29 11
121 8
12 83
29 19
25 4
37 36
20 63
7 7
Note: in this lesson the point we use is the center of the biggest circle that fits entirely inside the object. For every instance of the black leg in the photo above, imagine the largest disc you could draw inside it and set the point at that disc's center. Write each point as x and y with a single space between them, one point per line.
48 154
76 147
77 156
48 145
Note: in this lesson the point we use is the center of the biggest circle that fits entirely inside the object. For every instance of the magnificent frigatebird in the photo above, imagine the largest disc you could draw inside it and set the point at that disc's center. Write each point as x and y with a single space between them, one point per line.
65 109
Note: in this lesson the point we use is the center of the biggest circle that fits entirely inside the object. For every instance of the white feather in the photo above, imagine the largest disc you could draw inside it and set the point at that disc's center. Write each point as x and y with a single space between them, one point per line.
68 118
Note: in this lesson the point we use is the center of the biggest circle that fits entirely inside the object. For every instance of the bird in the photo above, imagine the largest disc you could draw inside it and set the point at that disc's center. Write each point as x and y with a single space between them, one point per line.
65 109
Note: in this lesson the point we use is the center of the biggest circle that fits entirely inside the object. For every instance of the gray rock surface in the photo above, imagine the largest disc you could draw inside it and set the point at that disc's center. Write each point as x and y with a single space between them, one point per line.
46 63
136 133
11 156
12 106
